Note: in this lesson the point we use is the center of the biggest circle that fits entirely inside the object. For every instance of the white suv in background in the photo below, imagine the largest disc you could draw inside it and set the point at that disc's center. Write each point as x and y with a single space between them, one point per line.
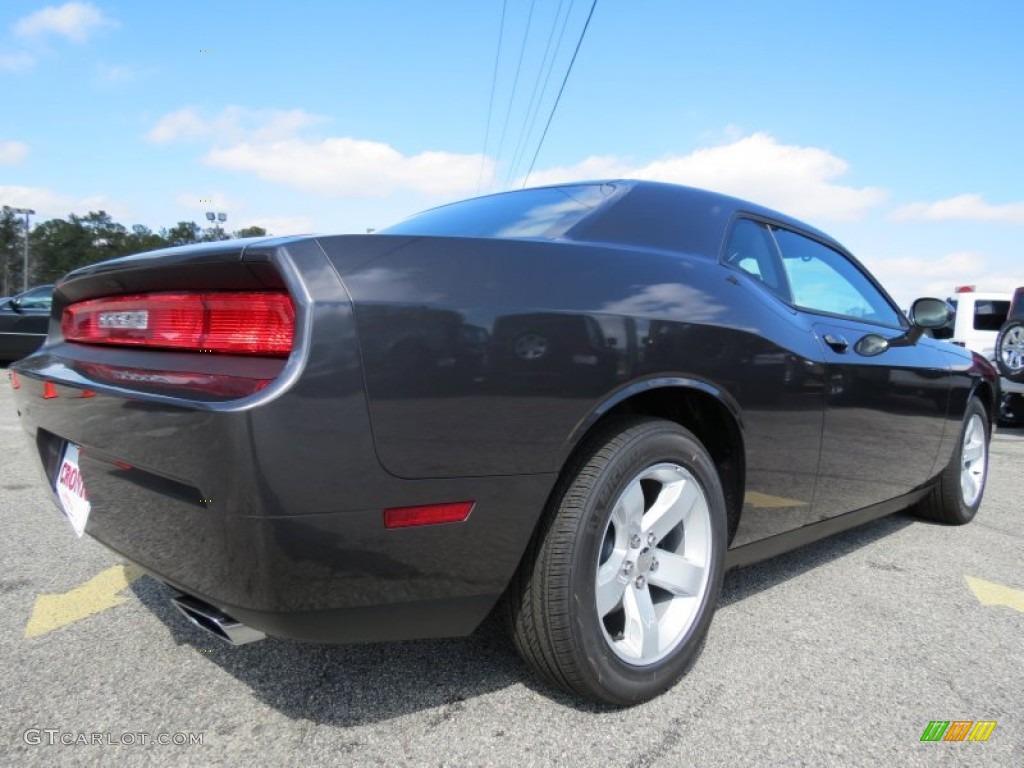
976 324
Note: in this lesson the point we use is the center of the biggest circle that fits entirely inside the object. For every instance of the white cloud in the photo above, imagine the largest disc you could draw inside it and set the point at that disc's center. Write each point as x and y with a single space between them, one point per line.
346 166
12 152
910 277
800 181
74 21
968 207
267 144
233 124
16 62
49 204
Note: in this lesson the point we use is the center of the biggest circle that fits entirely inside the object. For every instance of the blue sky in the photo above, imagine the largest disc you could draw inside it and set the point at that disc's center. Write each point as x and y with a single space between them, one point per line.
894 126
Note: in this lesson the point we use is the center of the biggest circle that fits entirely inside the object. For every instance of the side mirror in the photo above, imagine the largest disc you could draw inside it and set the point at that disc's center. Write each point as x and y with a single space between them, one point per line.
15 304
931 313
925 314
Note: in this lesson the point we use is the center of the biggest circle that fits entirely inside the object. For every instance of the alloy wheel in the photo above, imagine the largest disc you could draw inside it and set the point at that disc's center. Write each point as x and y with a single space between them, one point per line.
974 457
654 564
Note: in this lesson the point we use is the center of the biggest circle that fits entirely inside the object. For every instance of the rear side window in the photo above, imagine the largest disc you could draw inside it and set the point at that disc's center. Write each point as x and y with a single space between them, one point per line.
751 250
990 315
547 212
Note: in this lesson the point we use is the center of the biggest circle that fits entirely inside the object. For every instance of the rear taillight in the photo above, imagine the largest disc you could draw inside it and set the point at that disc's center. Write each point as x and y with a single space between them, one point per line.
228 323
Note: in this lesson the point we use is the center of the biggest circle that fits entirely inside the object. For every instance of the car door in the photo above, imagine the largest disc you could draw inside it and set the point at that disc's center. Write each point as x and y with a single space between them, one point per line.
884 413
779 385
24 321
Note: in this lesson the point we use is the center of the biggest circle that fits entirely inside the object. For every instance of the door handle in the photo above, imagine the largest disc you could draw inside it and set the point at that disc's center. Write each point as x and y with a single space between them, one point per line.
838 343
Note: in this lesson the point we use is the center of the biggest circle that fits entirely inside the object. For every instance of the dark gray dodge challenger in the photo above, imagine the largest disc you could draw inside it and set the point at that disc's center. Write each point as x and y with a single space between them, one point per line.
575 404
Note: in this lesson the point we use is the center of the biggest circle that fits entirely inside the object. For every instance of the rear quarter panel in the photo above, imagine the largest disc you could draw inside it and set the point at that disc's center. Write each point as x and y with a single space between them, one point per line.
485 357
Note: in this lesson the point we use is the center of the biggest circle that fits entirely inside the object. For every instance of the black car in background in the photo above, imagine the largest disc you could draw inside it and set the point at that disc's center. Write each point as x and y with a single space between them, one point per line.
576 404
24 321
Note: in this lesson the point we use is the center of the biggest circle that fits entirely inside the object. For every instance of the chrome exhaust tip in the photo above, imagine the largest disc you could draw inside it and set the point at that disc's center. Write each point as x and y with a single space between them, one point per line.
216 622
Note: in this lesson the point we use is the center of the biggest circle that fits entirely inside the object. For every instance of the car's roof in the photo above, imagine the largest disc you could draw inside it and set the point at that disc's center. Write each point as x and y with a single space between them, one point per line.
705 196
634 212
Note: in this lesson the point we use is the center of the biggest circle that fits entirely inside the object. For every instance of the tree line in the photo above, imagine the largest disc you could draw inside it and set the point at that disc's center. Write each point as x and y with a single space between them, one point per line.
58 246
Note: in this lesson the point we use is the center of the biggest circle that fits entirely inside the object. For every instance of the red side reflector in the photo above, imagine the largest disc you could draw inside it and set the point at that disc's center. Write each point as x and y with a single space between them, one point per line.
404 517
15 384
49 391
232 323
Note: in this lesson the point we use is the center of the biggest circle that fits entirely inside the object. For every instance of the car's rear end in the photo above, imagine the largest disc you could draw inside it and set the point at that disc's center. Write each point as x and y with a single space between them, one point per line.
202 412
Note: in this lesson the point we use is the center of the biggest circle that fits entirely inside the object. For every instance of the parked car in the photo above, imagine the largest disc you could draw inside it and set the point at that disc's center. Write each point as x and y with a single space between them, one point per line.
575 404
24 320
1009 349
976 323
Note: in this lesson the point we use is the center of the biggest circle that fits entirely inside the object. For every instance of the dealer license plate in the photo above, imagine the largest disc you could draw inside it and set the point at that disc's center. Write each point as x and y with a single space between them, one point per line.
70 486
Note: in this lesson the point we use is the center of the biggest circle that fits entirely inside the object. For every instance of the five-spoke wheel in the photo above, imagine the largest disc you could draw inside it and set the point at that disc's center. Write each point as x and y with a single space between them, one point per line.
617 593
652 571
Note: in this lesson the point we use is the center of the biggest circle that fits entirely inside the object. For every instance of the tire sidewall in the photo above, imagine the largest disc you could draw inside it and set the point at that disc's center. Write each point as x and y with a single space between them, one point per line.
968 511
654 444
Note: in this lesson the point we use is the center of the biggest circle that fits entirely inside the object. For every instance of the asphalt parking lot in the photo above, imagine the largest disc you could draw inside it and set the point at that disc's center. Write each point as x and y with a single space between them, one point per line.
840 653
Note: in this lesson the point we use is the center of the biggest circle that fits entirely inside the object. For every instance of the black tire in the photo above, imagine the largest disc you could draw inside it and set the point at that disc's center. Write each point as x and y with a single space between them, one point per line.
1011 410
1010 350
949 501
552 601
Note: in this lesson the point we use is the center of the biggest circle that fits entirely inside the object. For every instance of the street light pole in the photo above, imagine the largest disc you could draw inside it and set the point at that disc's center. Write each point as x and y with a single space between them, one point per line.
24 275
213 218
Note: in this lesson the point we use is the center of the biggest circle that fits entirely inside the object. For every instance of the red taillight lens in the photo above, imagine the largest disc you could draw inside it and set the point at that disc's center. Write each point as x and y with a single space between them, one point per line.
231 323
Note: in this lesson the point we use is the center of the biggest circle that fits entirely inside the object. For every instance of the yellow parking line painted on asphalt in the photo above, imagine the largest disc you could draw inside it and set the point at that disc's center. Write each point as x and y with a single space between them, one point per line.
765 501
99 593
989 593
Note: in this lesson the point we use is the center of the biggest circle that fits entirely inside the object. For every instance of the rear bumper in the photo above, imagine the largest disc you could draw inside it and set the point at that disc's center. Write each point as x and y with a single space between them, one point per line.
280 526
270 507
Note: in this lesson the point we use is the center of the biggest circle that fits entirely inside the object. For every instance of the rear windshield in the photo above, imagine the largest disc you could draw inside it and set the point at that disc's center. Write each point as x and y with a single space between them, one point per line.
547 213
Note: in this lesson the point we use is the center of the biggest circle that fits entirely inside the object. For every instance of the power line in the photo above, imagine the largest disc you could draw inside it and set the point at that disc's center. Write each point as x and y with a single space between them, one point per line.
490 102
533 108
560 90
515 82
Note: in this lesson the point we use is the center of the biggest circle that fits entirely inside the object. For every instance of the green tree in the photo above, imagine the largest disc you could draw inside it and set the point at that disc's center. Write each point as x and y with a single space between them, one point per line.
144 239
250 232
12 237
58 246
183 233
61 245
